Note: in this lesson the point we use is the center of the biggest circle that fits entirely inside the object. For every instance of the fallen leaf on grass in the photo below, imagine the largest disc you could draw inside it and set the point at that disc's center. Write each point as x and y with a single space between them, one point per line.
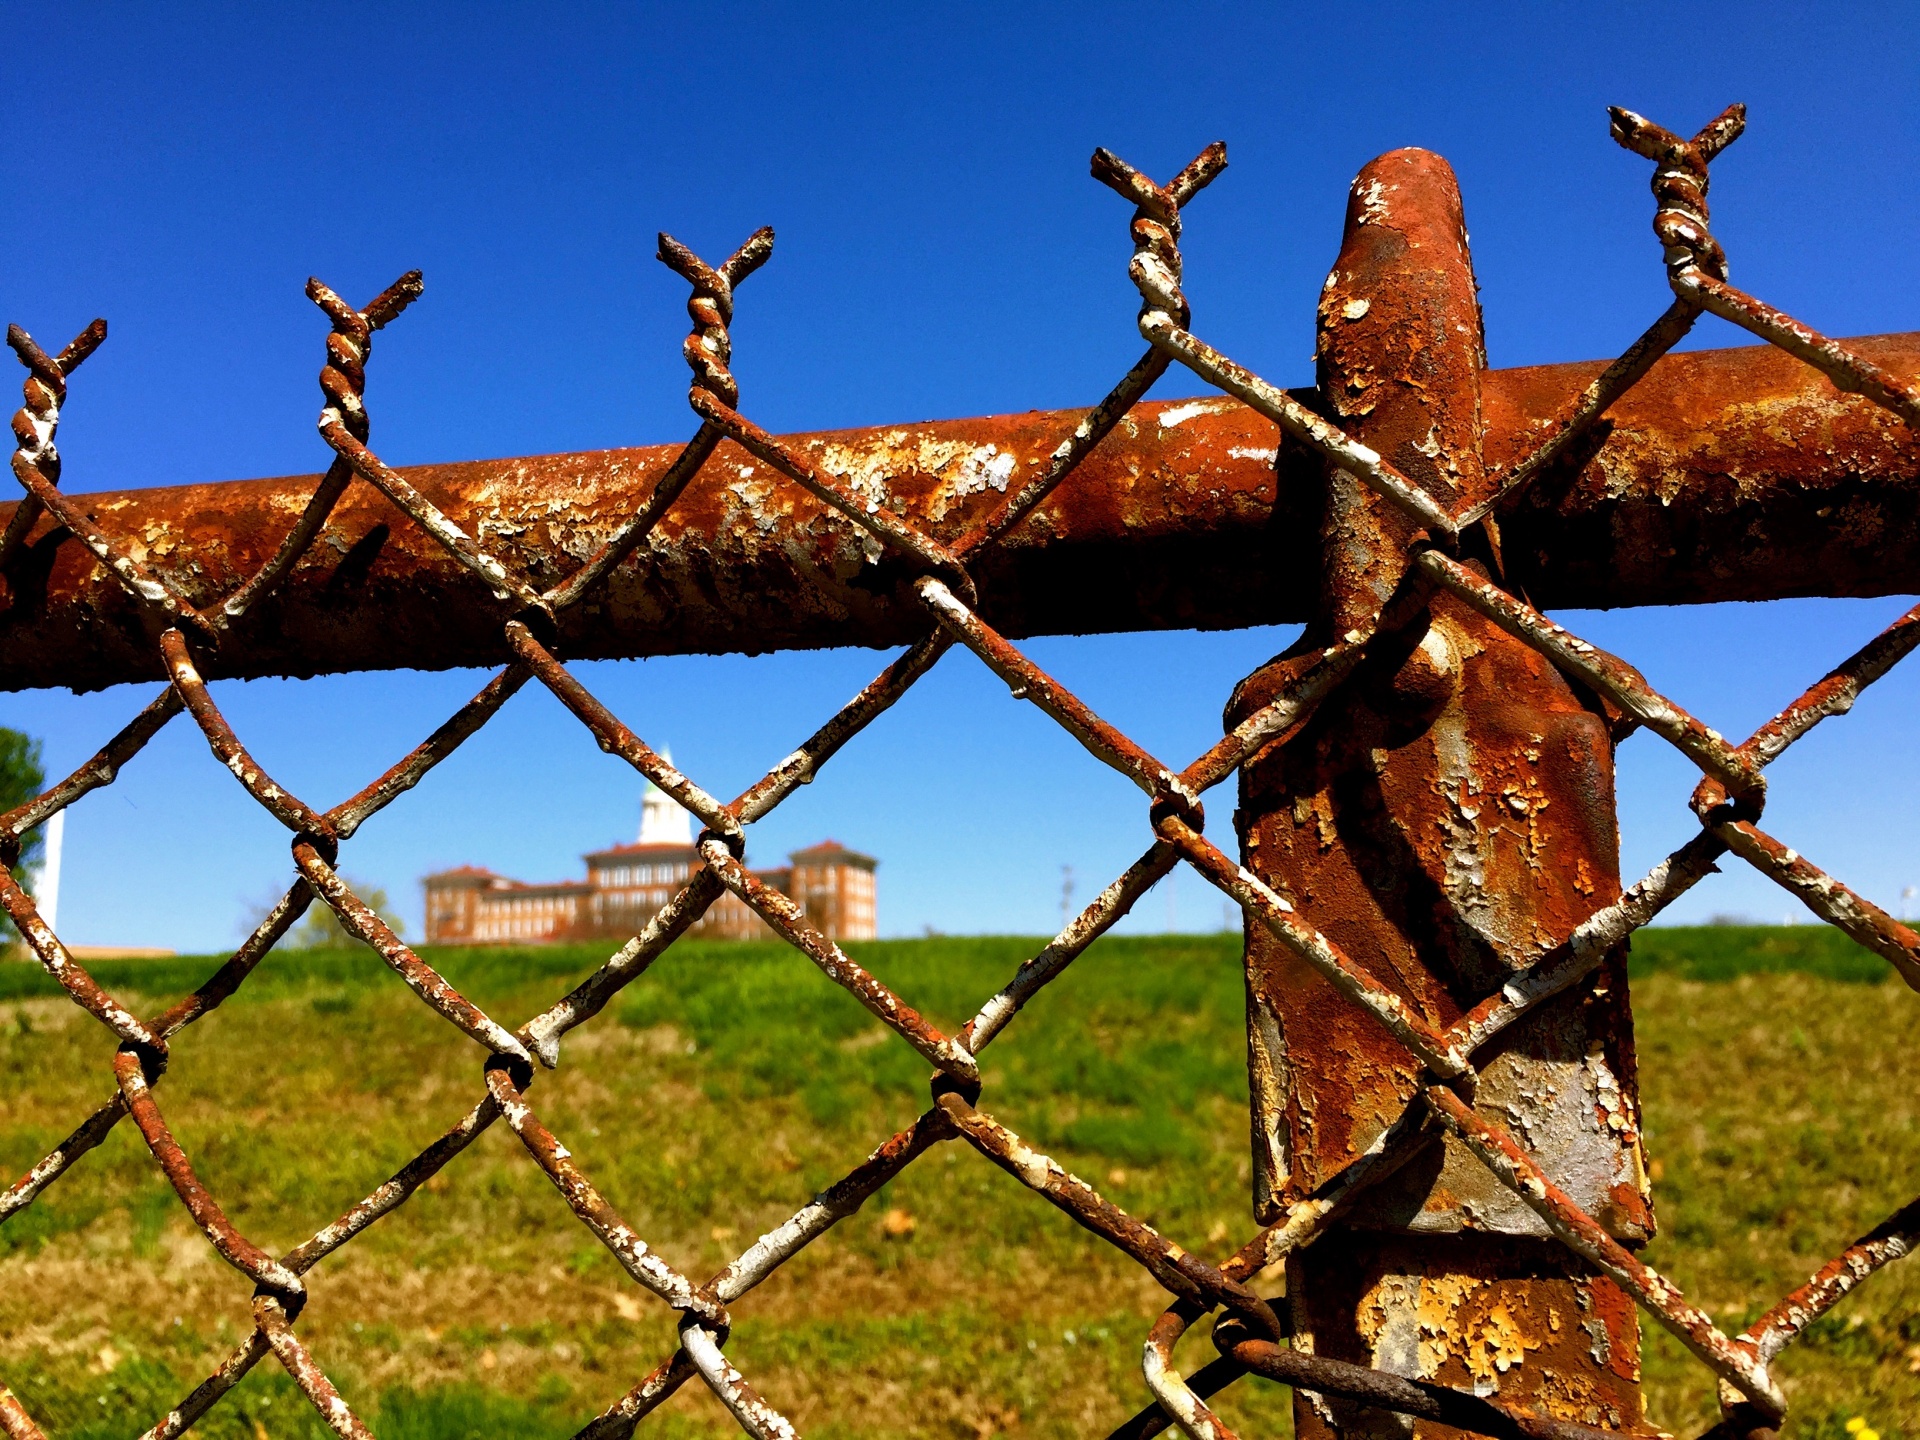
898 1223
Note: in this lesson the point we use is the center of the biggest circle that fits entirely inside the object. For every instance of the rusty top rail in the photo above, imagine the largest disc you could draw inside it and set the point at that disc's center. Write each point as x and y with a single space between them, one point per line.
1713 473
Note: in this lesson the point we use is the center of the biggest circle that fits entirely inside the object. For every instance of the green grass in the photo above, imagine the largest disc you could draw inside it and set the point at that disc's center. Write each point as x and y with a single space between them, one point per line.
1726 952
1703 952
732 1082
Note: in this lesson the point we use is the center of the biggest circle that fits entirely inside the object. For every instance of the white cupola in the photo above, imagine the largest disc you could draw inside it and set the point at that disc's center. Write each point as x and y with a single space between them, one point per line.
662 821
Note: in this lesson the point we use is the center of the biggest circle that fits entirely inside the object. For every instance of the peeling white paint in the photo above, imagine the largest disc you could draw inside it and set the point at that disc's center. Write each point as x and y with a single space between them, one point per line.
1373 203
1178 414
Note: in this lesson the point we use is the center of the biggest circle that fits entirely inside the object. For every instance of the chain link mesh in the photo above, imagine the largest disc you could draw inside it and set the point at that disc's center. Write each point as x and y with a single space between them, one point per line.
1729 802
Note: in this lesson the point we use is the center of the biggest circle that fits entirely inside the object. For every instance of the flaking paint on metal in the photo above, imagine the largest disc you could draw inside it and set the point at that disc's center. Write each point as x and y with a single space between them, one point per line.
1735 436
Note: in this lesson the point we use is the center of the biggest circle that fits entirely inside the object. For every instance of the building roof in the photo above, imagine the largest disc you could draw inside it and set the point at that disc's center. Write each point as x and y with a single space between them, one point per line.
633 851
461 875
830 852
480 878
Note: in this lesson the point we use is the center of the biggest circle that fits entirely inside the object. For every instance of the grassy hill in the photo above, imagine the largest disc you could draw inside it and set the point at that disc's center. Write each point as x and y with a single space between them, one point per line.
725 1087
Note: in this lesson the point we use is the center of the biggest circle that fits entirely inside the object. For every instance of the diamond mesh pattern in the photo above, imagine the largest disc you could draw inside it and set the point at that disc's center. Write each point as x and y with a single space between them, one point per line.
1729 803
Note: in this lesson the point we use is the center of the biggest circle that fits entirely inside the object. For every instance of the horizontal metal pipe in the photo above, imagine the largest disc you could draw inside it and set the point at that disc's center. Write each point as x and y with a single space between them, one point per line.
1725 475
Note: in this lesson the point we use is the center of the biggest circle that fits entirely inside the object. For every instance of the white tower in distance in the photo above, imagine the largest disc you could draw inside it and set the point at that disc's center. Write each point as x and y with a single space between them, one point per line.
662 821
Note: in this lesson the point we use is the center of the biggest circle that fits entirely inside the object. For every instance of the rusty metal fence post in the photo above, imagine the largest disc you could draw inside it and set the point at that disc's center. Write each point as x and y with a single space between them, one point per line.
1444 1105
1448 815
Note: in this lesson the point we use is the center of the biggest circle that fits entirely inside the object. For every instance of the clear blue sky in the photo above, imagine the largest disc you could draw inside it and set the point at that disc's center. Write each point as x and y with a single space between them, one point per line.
942 252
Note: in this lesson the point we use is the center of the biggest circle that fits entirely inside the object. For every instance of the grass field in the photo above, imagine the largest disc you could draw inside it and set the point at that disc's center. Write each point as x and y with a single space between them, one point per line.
1780 1074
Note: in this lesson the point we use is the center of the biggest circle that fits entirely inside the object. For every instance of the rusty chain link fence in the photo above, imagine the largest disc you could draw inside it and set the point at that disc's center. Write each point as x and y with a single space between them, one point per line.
1399 1028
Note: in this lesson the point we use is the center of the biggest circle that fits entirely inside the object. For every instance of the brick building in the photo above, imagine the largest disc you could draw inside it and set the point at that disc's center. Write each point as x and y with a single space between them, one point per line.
834 885
474 906
627 884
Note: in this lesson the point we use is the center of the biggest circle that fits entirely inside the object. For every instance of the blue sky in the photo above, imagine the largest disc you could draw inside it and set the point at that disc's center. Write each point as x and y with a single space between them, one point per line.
942 253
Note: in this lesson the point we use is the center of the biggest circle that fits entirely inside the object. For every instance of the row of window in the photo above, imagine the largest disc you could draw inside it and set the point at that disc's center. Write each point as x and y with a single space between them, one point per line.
527 904
551 905
653 900
662 873
534 915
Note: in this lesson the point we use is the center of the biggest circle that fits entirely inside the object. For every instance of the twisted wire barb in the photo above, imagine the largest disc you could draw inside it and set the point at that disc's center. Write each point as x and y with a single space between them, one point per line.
36 465
343 383
1680 182
708 351
343 425
38 417
1156 272
1697 264
1680 221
